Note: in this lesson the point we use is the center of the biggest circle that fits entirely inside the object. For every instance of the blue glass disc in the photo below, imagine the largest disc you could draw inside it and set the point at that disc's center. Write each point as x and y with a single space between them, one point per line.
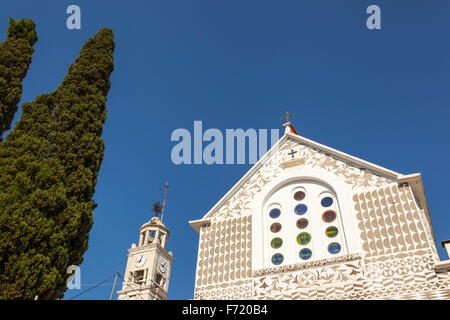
305 254
334 248
277 258
275 213
326 202
300 209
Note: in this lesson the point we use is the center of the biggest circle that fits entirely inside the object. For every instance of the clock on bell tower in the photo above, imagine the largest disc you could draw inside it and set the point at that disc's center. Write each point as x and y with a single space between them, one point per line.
149 264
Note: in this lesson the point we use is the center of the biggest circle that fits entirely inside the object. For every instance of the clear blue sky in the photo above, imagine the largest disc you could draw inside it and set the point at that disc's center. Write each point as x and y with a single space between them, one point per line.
380 95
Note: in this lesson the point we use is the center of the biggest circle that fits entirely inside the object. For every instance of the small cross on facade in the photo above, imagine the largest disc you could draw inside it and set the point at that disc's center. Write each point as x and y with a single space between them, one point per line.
292 153
287 116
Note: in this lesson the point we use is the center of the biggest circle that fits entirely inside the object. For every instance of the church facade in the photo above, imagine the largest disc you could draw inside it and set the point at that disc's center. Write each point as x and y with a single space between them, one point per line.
311 222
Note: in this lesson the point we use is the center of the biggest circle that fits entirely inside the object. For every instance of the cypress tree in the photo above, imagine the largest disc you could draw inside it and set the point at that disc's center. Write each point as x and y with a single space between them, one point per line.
15 59
48 171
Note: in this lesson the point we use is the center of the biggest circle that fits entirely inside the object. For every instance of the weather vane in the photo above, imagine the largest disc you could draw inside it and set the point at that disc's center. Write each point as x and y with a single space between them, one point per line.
157 207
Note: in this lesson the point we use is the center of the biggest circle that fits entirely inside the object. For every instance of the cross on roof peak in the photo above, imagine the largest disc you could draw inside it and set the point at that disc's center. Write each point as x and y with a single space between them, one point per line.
287 116
289 128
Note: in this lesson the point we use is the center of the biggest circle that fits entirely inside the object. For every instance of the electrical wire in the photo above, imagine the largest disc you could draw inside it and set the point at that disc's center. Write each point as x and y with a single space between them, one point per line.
98 284
128 286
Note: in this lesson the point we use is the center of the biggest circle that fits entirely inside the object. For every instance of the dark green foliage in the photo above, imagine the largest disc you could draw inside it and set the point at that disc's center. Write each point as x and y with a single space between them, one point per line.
48 171
22 29
15 58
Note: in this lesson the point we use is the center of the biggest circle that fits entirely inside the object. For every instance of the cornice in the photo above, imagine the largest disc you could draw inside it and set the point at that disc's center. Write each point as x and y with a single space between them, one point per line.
307 265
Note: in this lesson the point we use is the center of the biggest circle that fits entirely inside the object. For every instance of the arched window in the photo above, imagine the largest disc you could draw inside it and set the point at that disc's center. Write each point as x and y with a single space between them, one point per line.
302 222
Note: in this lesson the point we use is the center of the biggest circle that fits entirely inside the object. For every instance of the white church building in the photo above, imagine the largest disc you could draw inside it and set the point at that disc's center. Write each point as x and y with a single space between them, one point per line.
310 222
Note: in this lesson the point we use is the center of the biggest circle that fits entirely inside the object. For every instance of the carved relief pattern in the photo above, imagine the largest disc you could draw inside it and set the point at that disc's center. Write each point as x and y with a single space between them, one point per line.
399 276
241 290
224 252
296 285
357 177
306 265
389 221
239 203
408 275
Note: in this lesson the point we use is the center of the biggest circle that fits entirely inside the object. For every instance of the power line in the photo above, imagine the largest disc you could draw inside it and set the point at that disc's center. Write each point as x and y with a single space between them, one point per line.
91 284
102 283
98 284
114 285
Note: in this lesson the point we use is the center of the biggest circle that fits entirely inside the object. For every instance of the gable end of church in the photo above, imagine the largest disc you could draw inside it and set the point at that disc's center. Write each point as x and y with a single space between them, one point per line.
308 219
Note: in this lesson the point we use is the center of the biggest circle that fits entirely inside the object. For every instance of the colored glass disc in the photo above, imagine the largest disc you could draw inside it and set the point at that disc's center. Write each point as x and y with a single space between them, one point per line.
326 202
329 216
300 209
303 238
275 213
299 195
331 232
302 223
305 254
277 258
276 243
334 248
275 227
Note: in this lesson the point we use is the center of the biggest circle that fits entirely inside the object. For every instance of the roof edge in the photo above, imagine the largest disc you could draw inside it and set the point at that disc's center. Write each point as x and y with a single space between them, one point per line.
197 224
246 176
342 155
327 150
415 181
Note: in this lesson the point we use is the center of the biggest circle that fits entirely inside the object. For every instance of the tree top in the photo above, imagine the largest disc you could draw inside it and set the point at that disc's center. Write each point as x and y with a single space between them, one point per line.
24 29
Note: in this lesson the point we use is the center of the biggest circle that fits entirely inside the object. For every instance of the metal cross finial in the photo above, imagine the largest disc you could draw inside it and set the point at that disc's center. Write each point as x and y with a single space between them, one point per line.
287 116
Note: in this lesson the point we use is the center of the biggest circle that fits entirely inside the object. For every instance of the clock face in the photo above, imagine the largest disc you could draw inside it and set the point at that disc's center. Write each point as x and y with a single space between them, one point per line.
163 266
140 261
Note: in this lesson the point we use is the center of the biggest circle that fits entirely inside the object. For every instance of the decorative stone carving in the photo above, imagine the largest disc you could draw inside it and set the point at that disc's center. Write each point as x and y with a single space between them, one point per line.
224 252
357 177
389 221
239 203
308 278
287 284
306 265
397 276
241 290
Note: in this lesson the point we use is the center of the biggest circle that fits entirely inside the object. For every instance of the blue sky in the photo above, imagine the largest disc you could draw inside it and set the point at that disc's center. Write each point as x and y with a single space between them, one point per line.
380 95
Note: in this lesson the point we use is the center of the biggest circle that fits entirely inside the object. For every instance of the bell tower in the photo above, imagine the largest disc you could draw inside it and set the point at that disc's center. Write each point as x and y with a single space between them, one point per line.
147 273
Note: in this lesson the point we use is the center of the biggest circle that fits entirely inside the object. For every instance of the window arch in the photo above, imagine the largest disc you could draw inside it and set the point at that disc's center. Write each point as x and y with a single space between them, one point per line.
302 222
